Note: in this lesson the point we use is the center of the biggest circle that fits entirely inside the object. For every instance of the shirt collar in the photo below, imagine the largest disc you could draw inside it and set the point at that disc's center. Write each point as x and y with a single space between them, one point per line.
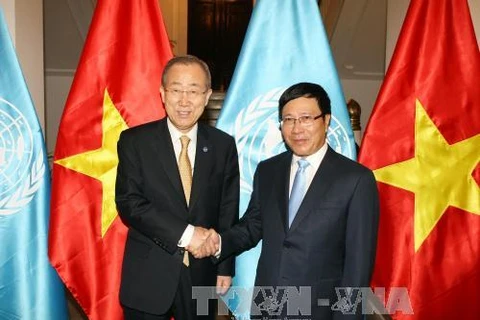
314 159
176 134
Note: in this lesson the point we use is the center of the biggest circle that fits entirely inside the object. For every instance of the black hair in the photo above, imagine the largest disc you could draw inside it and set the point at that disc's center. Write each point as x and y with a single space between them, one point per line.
306 90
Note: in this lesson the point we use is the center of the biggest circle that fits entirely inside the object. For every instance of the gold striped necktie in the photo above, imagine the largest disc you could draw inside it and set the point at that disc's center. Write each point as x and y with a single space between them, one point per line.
185 169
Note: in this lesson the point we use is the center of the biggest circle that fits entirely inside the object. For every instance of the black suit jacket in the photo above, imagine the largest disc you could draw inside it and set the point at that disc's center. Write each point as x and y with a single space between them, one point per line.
151 202
332 240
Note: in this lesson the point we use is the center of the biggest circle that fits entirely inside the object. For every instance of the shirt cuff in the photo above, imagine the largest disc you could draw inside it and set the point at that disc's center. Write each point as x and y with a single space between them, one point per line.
186 236
219 252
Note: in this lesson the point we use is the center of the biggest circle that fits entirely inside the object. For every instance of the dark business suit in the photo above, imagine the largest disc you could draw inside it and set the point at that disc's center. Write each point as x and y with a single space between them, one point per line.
332 240
151 202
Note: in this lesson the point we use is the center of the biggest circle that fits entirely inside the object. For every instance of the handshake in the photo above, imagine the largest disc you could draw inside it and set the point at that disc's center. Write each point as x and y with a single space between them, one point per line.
204 243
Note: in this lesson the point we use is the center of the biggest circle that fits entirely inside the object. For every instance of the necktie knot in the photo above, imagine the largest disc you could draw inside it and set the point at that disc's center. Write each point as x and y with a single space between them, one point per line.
185 140
302 164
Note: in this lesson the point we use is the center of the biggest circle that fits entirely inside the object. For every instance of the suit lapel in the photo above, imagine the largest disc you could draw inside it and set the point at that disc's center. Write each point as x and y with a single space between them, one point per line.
318 188
203 163
283 189
164 147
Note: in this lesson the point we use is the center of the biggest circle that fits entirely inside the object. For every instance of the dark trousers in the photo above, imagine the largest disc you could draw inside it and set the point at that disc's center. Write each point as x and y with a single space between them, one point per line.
183 308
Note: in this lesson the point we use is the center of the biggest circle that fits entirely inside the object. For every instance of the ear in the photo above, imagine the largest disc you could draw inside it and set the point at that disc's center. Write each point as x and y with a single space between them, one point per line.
207 96
327 120
162 94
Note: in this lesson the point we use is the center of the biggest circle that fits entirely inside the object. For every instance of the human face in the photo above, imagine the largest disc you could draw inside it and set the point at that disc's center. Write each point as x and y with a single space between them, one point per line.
184 109
304 140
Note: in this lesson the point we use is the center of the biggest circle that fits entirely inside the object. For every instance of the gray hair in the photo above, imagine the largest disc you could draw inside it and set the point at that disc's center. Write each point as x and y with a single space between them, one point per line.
187 60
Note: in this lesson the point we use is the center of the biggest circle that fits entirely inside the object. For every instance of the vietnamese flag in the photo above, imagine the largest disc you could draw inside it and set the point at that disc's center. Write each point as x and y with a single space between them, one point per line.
423 143
116 86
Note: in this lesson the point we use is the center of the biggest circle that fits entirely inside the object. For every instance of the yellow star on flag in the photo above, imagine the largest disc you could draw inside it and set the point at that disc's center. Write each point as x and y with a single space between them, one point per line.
101 164
440 175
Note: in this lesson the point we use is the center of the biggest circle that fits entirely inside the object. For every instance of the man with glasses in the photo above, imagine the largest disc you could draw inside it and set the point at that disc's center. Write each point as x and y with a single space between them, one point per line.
317 214
176 179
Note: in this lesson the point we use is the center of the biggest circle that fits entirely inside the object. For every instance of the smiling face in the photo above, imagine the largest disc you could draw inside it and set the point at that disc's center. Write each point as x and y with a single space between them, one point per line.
304 140
185 94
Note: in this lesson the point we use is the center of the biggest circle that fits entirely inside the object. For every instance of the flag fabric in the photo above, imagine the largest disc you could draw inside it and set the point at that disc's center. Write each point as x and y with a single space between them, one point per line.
423 143
116 86
29 286
285 44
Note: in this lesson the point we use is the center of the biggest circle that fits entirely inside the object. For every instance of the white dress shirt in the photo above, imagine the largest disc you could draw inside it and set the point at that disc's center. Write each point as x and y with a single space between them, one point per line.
175 135
314 160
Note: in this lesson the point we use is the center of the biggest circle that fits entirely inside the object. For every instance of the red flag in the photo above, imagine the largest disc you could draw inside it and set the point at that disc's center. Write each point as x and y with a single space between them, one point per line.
116 86
423 142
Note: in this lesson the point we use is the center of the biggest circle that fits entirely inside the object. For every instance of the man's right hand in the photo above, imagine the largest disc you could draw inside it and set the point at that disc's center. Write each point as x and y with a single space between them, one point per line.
204 243
199 236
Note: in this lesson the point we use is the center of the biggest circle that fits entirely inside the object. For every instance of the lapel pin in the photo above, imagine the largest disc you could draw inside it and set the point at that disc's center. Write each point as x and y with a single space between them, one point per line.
205 149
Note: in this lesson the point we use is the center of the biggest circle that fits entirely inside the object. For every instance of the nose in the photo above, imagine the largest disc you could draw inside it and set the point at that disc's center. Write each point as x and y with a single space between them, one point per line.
297 127
184 97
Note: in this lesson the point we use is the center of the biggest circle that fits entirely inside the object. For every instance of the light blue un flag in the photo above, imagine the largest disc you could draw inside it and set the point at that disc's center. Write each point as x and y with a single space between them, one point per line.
285 44
29 286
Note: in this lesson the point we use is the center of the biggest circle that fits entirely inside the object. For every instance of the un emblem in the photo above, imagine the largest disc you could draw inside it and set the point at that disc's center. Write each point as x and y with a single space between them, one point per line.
258 137
20 173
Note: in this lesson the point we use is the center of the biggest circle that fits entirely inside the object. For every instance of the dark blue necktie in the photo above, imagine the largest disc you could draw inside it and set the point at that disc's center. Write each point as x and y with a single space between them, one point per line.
298 190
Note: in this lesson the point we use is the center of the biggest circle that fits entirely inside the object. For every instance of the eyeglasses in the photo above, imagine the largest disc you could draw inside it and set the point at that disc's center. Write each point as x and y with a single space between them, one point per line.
303 120
191 94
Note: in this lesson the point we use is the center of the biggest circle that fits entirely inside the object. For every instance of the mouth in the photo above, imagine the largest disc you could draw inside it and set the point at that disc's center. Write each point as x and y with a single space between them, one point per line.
184 114
299 140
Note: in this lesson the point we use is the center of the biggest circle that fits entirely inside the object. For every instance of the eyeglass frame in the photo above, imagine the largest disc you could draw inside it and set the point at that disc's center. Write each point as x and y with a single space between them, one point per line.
301 122
190 93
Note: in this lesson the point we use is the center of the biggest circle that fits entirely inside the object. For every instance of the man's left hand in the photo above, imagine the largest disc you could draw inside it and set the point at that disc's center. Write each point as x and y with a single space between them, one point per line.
223 283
